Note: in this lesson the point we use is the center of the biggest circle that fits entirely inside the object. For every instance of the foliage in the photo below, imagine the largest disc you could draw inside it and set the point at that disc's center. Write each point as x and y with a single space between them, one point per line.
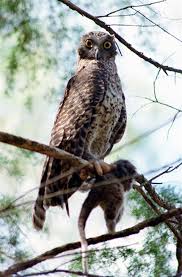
32 45
37 46
12 248
154 256
33 42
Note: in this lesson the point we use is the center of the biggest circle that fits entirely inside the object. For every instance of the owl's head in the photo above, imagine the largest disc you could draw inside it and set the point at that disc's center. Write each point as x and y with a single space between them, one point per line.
97 45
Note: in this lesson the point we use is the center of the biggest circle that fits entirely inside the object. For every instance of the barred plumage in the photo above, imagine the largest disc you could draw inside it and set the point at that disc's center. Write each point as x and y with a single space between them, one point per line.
90 120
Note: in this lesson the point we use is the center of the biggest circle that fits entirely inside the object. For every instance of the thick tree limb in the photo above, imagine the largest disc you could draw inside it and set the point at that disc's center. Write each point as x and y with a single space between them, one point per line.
103 25
78 163
41 148
91 241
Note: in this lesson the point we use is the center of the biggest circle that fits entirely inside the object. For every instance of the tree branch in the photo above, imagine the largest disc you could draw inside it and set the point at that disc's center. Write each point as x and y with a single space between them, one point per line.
41 148
158 211
79 163
162 103
144 135
103 25
91 241
179 257
157 25
77 273
130 7
154 195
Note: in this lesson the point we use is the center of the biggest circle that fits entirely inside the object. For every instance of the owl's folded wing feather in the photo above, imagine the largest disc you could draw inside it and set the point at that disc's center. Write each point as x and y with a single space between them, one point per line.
119 129
69 133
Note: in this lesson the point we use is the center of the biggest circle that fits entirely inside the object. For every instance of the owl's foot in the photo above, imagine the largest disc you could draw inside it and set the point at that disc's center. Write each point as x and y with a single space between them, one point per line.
98 166
101 167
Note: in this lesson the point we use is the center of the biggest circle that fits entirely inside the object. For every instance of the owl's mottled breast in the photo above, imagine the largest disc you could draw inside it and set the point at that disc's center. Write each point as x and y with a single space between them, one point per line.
107 111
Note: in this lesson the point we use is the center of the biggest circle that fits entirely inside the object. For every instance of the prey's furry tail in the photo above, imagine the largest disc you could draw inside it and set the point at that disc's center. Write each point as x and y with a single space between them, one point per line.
86 209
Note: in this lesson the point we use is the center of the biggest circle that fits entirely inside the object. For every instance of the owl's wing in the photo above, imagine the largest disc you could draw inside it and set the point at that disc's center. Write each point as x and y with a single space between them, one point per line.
69 133
119 129
66 93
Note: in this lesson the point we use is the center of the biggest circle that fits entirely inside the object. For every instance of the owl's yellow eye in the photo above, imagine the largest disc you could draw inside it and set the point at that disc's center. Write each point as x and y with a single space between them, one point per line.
88 43
107 44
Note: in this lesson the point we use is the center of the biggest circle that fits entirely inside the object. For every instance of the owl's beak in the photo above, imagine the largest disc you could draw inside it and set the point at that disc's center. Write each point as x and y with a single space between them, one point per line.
97 54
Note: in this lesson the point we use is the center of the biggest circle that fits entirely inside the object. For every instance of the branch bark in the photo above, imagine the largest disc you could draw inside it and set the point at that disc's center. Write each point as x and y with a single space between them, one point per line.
41 148
103 25
152 204
91 241
78 163
179 257
76 273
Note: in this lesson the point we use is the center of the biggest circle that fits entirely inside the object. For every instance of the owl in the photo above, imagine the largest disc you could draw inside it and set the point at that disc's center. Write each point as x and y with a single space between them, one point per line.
91 118
107 192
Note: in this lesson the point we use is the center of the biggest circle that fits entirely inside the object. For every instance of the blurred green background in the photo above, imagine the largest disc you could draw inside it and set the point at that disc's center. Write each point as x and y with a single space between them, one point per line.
38 45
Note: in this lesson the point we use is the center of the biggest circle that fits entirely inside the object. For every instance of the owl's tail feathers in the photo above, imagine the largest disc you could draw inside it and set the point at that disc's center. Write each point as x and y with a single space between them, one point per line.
39 212
38 216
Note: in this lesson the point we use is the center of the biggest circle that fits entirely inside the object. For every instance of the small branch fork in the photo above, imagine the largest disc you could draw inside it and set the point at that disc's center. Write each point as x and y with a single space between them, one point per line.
136 11
103 25
131 7
172 217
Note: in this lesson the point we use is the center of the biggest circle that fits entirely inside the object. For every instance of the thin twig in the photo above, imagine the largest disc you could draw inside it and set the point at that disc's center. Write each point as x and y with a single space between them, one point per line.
132 25
88 186
34 146
103 25
118 15
168 170
129 7
174 118
71 246
161 103
140 108
50 151
155 196
157 75
143 135
158 211
157 25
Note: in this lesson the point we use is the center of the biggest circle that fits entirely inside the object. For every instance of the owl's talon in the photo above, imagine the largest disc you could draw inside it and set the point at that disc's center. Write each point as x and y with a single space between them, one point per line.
98 166
101 167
